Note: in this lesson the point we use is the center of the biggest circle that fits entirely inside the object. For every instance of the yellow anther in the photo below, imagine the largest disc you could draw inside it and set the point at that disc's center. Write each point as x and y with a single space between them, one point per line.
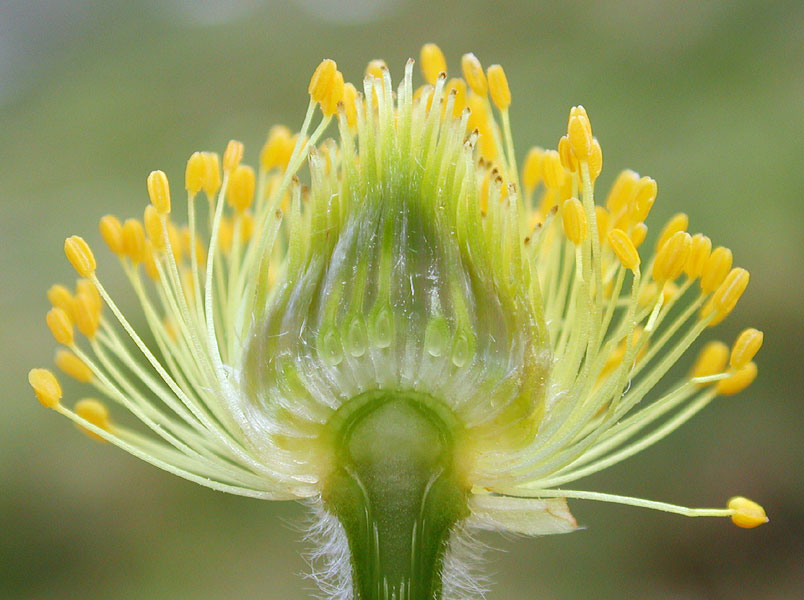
457 86
79 255
672 257
349 105
532 169
212 174
574 220
579 132
159 192
112 233
729 292
622 191
94 412
678 222
87 315
326 86
554 173
232 156
246 227
60 325
603 219
149 261
715 270
321 80
375 68
85 286
711 360
644 195
624 249
175 242
278 148
747 513
474 75
745 347
738 380
60 297
134 240
638 234
153 226
73 366
568 159
479 119
240 192
194 173
433 63
699 254
595 160
225 235
45 386
498 87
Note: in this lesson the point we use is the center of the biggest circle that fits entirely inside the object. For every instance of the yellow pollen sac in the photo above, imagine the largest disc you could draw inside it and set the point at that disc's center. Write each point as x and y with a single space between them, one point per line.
246 227
278 148
225 235
159 191
59 296
678 222
579 132
554 173
60 325
715 270
322 79
699 254
194 173
80 255
349 106
232 156
624 249
745 347
644 195
153 225
603 219
86 287
134 240
621 191
96 413
568 159
87 317
112 233
747 513
375 68
638 234
738 380
240 192
672 257
595 160
73 366
532 169
212 174
729 292
474 75
498 87
574 220
149 261
458 87
433 63
711 360
45 386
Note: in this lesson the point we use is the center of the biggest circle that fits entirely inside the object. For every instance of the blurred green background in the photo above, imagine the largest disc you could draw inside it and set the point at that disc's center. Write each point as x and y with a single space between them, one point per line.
705 97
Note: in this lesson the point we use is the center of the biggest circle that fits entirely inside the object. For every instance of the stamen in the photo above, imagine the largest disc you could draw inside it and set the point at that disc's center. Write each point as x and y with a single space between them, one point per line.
45 386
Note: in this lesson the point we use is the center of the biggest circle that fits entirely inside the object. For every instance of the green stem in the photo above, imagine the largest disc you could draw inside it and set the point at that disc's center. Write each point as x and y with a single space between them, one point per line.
396 492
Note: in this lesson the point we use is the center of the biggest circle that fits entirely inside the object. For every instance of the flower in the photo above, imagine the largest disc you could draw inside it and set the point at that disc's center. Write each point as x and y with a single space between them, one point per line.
423 338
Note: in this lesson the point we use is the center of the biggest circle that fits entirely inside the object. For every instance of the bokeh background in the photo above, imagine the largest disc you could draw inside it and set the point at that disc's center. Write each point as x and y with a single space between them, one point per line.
705 97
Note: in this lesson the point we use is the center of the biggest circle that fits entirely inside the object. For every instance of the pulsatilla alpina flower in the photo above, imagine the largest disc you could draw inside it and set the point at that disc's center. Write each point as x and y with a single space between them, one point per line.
421 339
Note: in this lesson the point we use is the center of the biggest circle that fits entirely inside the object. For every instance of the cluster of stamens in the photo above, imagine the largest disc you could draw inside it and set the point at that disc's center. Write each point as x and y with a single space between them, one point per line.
617 317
